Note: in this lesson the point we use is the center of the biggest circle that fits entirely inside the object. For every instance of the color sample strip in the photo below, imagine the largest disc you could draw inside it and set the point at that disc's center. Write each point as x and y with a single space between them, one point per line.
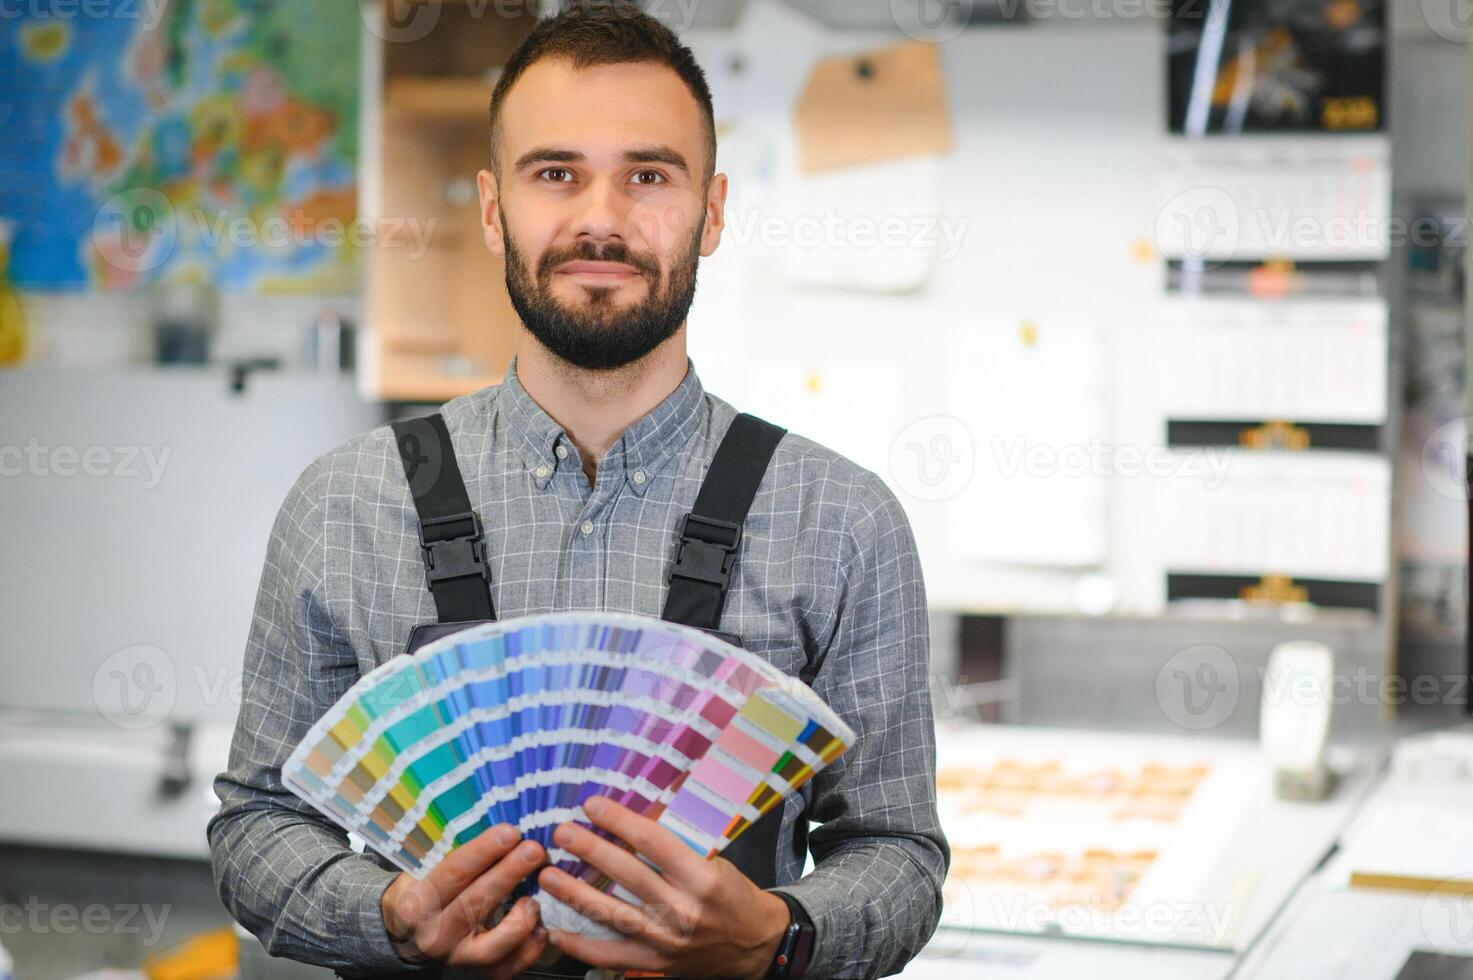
523 721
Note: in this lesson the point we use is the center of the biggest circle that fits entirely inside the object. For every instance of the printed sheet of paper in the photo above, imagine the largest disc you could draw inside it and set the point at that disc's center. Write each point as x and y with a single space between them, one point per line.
1306 361
1324 515
1036 399
1088 834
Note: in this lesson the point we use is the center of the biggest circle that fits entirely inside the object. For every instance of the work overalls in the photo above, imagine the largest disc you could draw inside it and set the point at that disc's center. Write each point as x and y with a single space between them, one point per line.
459 579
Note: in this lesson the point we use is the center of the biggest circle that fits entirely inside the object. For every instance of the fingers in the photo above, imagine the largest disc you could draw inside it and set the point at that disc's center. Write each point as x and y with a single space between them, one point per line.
488 891
676 861
616 862
598 906
610 954
500 944
436 913
465 864
525 957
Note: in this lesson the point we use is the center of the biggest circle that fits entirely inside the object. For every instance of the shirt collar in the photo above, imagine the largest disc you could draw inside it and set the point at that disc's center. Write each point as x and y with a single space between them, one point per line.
641 451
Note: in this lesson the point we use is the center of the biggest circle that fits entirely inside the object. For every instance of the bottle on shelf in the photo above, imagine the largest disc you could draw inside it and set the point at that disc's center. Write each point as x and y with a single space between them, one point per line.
12 318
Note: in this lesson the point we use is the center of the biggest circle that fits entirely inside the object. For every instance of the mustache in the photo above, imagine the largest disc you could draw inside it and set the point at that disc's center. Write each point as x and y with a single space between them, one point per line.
590 252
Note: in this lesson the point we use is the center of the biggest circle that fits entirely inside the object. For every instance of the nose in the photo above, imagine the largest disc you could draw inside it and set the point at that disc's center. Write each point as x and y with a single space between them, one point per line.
603 213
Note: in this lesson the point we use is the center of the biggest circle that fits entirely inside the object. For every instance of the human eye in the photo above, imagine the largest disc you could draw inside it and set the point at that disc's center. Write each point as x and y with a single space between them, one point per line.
649 178
555 175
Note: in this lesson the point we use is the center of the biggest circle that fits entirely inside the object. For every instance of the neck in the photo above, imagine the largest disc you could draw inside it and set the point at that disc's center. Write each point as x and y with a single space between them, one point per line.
595 407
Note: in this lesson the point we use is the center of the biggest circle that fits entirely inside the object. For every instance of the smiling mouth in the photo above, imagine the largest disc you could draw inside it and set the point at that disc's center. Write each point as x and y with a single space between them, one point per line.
600 272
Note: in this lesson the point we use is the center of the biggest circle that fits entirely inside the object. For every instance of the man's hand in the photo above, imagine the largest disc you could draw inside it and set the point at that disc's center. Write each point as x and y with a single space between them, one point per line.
696 918
443 917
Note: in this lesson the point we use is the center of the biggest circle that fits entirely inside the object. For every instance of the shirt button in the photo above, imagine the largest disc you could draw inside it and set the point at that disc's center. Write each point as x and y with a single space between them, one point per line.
562 452
639 477
587 527
542 472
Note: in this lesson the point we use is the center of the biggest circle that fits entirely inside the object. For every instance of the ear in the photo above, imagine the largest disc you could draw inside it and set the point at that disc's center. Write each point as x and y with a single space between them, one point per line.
715 215
491 228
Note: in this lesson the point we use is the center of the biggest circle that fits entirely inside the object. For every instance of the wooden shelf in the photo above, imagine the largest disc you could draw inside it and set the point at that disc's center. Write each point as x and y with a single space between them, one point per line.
431 386
438 321
454 97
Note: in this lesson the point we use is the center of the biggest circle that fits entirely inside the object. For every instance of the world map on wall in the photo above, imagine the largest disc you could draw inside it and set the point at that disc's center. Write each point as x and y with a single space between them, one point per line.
213 140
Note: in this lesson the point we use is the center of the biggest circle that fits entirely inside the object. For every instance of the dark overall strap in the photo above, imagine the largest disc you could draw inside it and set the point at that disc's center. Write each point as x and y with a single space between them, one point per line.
453 547
710 536
711 533
450 534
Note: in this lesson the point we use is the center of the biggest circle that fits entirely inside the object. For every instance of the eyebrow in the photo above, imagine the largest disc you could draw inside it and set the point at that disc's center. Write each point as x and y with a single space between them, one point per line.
657 154
547 154
643 154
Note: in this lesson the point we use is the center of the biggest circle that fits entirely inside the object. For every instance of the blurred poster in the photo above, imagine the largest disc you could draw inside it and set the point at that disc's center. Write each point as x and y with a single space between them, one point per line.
1036 398
855 409
216 140
1297 198
1306 514
880 228
1256 66
1305 360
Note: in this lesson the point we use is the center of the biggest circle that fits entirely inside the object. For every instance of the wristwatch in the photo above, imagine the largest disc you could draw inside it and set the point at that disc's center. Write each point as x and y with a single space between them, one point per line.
795 949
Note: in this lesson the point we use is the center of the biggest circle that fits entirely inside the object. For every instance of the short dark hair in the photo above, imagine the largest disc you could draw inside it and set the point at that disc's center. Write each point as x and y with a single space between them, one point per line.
605 32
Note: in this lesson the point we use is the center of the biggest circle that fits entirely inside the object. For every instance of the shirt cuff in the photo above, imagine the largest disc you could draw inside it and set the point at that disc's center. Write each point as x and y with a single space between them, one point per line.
361 916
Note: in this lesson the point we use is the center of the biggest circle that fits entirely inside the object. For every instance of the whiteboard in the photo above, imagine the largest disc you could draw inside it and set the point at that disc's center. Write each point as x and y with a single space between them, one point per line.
139 519
1047 212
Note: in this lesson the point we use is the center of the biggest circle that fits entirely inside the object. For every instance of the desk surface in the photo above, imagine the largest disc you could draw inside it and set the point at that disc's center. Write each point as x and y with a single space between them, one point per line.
1272 849
1300 919
1332 930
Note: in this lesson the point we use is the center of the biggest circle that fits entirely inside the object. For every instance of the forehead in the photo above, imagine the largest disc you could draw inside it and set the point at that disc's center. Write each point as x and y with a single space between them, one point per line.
601 110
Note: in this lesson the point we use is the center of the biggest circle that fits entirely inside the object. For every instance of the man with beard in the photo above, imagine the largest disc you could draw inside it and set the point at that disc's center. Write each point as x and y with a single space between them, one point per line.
598 475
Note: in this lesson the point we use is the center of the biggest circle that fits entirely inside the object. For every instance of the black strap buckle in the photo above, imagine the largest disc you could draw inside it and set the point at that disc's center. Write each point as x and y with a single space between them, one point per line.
459 557
707 546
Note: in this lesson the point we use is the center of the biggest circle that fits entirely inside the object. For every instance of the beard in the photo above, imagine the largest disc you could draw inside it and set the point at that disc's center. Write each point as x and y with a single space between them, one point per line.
601 335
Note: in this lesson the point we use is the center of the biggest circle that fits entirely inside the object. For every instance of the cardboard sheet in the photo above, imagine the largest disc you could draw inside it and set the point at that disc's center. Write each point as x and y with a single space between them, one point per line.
885 104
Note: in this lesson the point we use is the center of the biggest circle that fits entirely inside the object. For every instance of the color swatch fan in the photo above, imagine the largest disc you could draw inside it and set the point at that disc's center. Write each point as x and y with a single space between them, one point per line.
521 721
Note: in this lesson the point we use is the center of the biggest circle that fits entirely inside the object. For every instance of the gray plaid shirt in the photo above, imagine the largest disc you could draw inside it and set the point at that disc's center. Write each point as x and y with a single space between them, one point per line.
828 566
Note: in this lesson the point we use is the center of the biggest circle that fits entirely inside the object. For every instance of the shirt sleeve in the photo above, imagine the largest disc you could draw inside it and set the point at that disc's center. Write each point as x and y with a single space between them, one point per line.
879 853
282 869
